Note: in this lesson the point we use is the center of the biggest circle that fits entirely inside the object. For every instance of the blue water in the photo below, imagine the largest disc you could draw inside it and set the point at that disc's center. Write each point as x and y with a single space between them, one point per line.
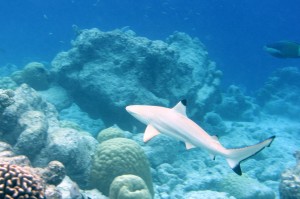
234 32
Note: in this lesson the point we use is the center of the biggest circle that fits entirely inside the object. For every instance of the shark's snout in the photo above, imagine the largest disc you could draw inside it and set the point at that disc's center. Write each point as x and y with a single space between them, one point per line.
140 112
130 109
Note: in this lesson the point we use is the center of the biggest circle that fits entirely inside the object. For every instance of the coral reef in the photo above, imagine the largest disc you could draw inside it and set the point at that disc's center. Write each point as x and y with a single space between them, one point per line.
17 182
80 119
244 187
34 74
129 187
56 185
32 120
7 156
54 173
110 133
57 96
214 124
107 70
280 95
71 147
51 177
7 69
236 106
27 120
70 190
7 83
35 127
103 72
6 99
160 149
116 157
208 195
290 181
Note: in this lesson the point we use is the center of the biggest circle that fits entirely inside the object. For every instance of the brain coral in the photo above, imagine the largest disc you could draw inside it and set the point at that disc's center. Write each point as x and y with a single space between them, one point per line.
109 133
17 182
116 157
129 187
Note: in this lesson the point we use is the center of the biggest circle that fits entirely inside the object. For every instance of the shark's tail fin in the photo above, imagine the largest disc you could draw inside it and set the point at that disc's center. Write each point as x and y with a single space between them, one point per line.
235 156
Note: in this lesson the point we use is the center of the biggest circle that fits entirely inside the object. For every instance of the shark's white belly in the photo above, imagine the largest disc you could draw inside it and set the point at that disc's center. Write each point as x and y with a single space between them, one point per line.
184 129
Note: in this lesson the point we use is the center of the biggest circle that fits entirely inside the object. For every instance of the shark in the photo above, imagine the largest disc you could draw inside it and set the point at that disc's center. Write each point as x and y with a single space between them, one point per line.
175 123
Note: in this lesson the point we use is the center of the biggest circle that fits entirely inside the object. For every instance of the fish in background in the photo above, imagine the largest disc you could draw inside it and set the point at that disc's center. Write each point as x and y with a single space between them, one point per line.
283 49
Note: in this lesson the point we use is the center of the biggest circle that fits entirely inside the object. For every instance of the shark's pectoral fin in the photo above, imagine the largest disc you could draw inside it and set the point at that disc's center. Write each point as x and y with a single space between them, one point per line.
189 145
150 132
212 156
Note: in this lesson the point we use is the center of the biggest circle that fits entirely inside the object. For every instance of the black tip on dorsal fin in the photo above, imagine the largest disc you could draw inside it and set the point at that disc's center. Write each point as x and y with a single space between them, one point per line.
184 102
237 170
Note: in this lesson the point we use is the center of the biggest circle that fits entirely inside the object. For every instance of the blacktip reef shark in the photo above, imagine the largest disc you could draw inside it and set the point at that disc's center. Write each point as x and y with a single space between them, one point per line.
175 123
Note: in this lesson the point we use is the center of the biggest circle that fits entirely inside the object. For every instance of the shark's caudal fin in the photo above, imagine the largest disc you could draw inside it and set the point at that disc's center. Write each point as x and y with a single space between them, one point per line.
235 156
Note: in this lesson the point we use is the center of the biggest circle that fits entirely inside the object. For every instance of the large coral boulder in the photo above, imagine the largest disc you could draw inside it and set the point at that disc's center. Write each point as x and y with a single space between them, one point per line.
34 74
71 147
129 187
116 157
26 120
108 70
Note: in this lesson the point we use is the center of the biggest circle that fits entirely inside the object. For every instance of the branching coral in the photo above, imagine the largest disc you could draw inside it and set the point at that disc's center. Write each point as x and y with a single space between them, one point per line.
17 182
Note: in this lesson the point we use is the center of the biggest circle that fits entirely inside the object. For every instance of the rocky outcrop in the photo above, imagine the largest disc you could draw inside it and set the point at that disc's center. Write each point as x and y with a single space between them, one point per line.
108 70
31 126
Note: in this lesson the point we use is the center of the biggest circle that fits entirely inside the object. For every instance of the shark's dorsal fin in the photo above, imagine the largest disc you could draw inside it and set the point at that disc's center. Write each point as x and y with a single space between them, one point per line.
181 107
150 132
189 145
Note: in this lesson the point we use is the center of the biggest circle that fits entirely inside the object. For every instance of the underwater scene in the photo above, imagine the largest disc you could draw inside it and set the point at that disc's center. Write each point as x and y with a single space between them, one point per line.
149 99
